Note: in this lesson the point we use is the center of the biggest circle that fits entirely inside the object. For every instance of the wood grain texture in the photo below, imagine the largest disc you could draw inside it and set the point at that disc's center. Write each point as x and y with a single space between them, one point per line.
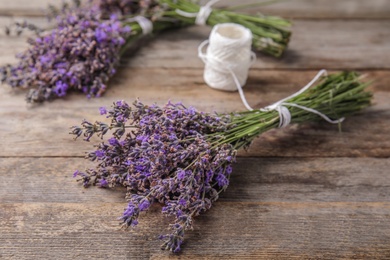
23 7
50 180
301 9
319 9
228 231
335 202
45 128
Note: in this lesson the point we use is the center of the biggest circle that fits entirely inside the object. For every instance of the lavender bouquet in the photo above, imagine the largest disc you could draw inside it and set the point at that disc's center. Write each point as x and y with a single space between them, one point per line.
182 158
271 34
83 49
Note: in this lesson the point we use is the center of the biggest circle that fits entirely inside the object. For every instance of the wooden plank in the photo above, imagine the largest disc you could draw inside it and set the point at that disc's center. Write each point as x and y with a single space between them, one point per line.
329 44
43 130
341 204
320 9
24 7
306 9
49 180
228 231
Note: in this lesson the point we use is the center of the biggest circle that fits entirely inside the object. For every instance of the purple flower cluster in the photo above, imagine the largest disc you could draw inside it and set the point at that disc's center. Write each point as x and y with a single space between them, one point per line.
80 53
170 155
124 7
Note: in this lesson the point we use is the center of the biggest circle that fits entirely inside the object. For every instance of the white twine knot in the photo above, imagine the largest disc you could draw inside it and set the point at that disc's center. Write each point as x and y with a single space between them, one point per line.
202 15
145 24
284 113
228 57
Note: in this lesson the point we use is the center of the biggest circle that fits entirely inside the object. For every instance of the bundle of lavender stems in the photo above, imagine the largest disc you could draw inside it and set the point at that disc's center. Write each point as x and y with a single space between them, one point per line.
182 158
83 49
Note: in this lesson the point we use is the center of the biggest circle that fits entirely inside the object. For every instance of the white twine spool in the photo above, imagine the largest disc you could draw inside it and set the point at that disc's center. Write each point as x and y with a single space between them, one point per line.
228 56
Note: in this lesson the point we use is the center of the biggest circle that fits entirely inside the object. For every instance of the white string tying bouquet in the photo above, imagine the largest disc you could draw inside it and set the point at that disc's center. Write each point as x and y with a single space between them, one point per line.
145 24
201 16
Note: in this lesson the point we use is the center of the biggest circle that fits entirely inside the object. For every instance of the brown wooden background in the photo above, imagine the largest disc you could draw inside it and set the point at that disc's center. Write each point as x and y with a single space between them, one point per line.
305 192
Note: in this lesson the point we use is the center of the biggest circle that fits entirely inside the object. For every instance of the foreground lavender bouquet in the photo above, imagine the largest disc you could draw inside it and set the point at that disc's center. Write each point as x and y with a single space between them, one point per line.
183 158
83 49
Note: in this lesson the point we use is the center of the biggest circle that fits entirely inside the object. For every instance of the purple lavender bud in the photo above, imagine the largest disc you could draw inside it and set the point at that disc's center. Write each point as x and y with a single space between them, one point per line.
102 110
61 88
144 205
183 202
100 35
113 141
103 183
114 17
76 173
99 153
76 130
71 19
44 59
142 138
115 8
222 180
229 169
181 175
120 118
209 175
130 215
129 211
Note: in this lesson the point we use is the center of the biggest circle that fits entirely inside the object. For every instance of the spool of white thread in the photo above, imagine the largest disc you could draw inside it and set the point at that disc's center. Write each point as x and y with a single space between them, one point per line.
228 55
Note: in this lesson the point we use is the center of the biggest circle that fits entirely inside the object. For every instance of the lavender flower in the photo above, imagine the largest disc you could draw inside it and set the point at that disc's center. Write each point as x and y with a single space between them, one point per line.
183 158
124 7
168 157
80 53
103 110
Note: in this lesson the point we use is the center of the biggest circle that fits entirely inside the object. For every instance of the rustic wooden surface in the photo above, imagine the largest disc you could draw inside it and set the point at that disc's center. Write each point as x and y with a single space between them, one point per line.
306 192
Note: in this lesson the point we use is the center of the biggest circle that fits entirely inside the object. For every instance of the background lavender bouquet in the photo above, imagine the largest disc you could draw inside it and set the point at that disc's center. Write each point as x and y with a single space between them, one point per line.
82 50
183 158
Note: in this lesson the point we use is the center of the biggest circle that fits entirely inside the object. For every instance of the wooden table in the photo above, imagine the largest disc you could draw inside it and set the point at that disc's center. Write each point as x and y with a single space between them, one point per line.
305 192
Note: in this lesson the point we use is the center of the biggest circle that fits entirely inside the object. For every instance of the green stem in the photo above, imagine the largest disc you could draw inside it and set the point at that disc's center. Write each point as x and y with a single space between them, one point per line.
336 96
245 6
